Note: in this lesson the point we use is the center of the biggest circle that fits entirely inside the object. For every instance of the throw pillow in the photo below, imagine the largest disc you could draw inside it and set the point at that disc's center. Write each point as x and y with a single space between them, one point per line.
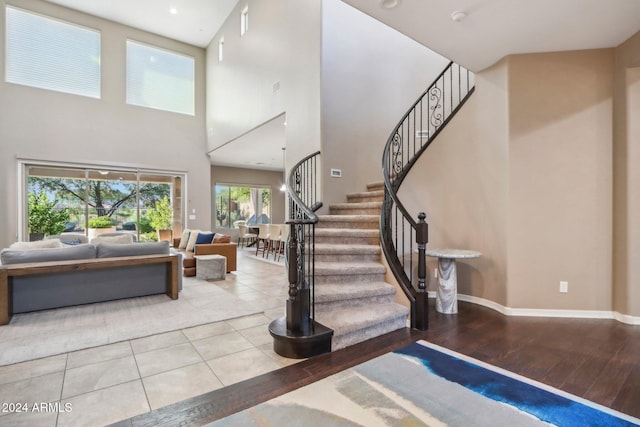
193 236
204 238
221 238
184 239
38 244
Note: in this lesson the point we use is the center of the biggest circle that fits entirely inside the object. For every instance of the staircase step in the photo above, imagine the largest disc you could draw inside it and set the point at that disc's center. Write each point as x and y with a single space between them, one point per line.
356 324
330 296
370 208
327 252
348 221
348 237
375 186
367 196
341 272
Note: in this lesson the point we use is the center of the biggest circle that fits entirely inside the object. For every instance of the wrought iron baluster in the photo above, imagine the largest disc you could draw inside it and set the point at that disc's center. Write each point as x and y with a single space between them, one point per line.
398 228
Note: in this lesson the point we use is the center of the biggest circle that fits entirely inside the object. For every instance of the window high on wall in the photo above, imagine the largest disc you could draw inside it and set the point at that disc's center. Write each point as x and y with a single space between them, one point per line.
47 53
160 79
244 20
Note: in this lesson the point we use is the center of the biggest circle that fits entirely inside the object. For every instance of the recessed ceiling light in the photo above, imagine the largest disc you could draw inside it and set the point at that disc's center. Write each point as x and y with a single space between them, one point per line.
173 11
389 4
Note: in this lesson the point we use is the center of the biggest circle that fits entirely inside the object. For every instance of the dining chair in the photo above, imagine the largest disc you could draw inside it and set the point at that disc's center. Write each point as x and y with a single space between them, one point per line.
245 237
284 236
263 236
274 238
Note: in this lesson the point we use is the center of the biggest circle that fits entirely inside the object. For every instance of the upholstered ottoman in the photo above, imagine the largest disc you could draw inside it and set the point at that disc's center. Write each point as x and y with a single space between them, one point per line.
211 267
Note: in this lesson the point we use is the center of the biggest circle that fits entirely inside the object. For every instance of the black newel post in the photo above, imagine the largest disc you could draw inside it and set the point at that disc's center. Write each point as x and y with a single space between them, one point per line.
293 303
298 320
422 308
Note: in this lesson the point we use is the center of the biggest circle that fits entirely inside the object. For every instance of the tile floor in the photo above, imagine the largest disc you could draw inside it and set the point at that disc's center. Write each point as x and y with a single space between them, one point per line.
103 385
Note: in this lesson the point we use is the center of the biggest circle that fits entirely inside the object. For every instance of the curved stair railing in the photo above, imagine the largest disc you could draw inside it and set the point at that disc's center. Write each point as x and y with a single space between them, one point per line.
400 233
298 335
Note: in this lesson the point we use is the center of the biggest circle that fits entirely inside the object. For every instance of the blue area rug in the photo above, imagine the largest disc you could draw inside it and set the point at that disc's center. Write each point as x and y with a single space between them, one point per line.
426 385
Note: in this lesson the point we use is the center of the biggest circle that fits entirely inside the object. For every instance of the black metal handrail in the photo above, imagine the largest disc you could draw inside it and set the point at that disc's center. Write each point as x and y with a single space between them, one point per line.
410 138
302 188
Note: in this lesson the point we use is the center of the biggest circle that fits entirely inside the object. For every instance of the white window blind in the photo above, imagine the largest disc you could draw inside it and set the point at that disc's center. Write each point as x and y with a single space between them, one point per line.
50 54
160 79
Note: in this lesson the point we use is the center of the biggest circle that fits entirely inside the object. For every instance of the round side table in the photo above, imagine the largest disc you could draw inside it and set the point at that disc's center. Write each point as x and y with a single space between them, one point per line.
447 293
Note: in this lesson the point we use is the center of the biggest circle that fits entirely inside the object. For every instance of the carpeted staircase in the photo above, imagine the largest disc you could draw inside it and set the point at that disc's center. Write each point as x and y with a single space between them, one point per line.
352 297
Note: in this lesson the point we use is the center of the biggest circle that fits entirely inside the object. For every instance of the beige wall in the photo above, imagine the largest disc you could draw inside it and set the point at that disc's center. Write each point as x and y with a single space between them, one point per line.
626 158
560 180
371 74
345 79
461 182
282 45
253 177
45 125
523 174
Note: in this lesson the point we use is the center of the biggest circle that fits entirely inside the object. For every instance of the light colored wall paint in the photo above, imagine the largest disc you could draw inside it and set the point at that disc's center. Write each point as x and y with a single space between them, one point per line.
560 179
461 183
282 45
626 158
631 303
371 74
523 174
253 177
46 125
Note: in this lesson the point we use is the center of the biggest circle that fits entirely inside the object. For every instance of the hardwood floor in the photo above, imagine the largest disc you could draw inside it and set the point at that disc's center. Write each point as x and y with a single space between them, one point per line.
595 359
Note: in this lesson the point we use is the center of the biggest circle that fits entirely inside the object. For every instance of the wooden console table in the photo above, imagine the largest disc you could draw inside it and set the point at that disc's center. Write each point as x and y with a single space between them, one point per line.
8 272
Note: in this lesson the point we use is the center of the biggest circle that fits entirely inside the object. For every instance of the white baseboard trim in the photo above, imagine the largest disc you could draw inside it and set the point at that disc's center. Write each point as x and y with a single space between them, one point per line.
625 318
541 312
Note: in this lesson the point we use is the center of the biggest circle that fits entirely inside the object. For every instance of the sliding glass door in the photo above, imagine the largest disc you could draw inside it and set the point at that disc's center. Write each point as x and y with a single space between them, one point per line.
60 199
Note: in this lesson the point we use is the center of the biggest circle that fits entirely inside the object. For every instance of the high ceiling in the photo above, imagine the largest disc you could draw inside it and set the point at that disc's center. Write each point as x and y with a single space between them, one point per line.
487 31
490 30
194 22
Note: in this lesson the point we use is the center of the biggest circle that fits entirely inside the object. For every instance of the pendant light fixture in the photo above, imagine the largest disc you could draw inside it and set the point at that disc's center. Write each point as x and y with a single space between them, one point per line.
284 172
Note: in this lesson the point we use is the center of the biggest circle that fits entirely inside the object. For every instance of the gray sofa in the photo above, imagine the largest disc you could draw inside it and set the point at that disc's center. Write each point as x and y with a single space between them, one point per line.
88 274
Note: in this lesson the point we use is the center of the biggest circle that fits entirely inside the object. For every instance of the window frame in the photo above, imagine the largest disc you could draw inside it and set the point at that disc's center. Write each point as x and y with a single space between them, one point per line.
95 92
244 20
129 77
178 183
227 223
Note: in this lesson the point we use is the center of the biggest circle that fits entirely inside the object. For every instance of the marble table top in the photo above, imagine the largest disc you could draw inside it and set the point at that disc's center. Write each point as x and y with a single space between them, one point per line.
452 253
